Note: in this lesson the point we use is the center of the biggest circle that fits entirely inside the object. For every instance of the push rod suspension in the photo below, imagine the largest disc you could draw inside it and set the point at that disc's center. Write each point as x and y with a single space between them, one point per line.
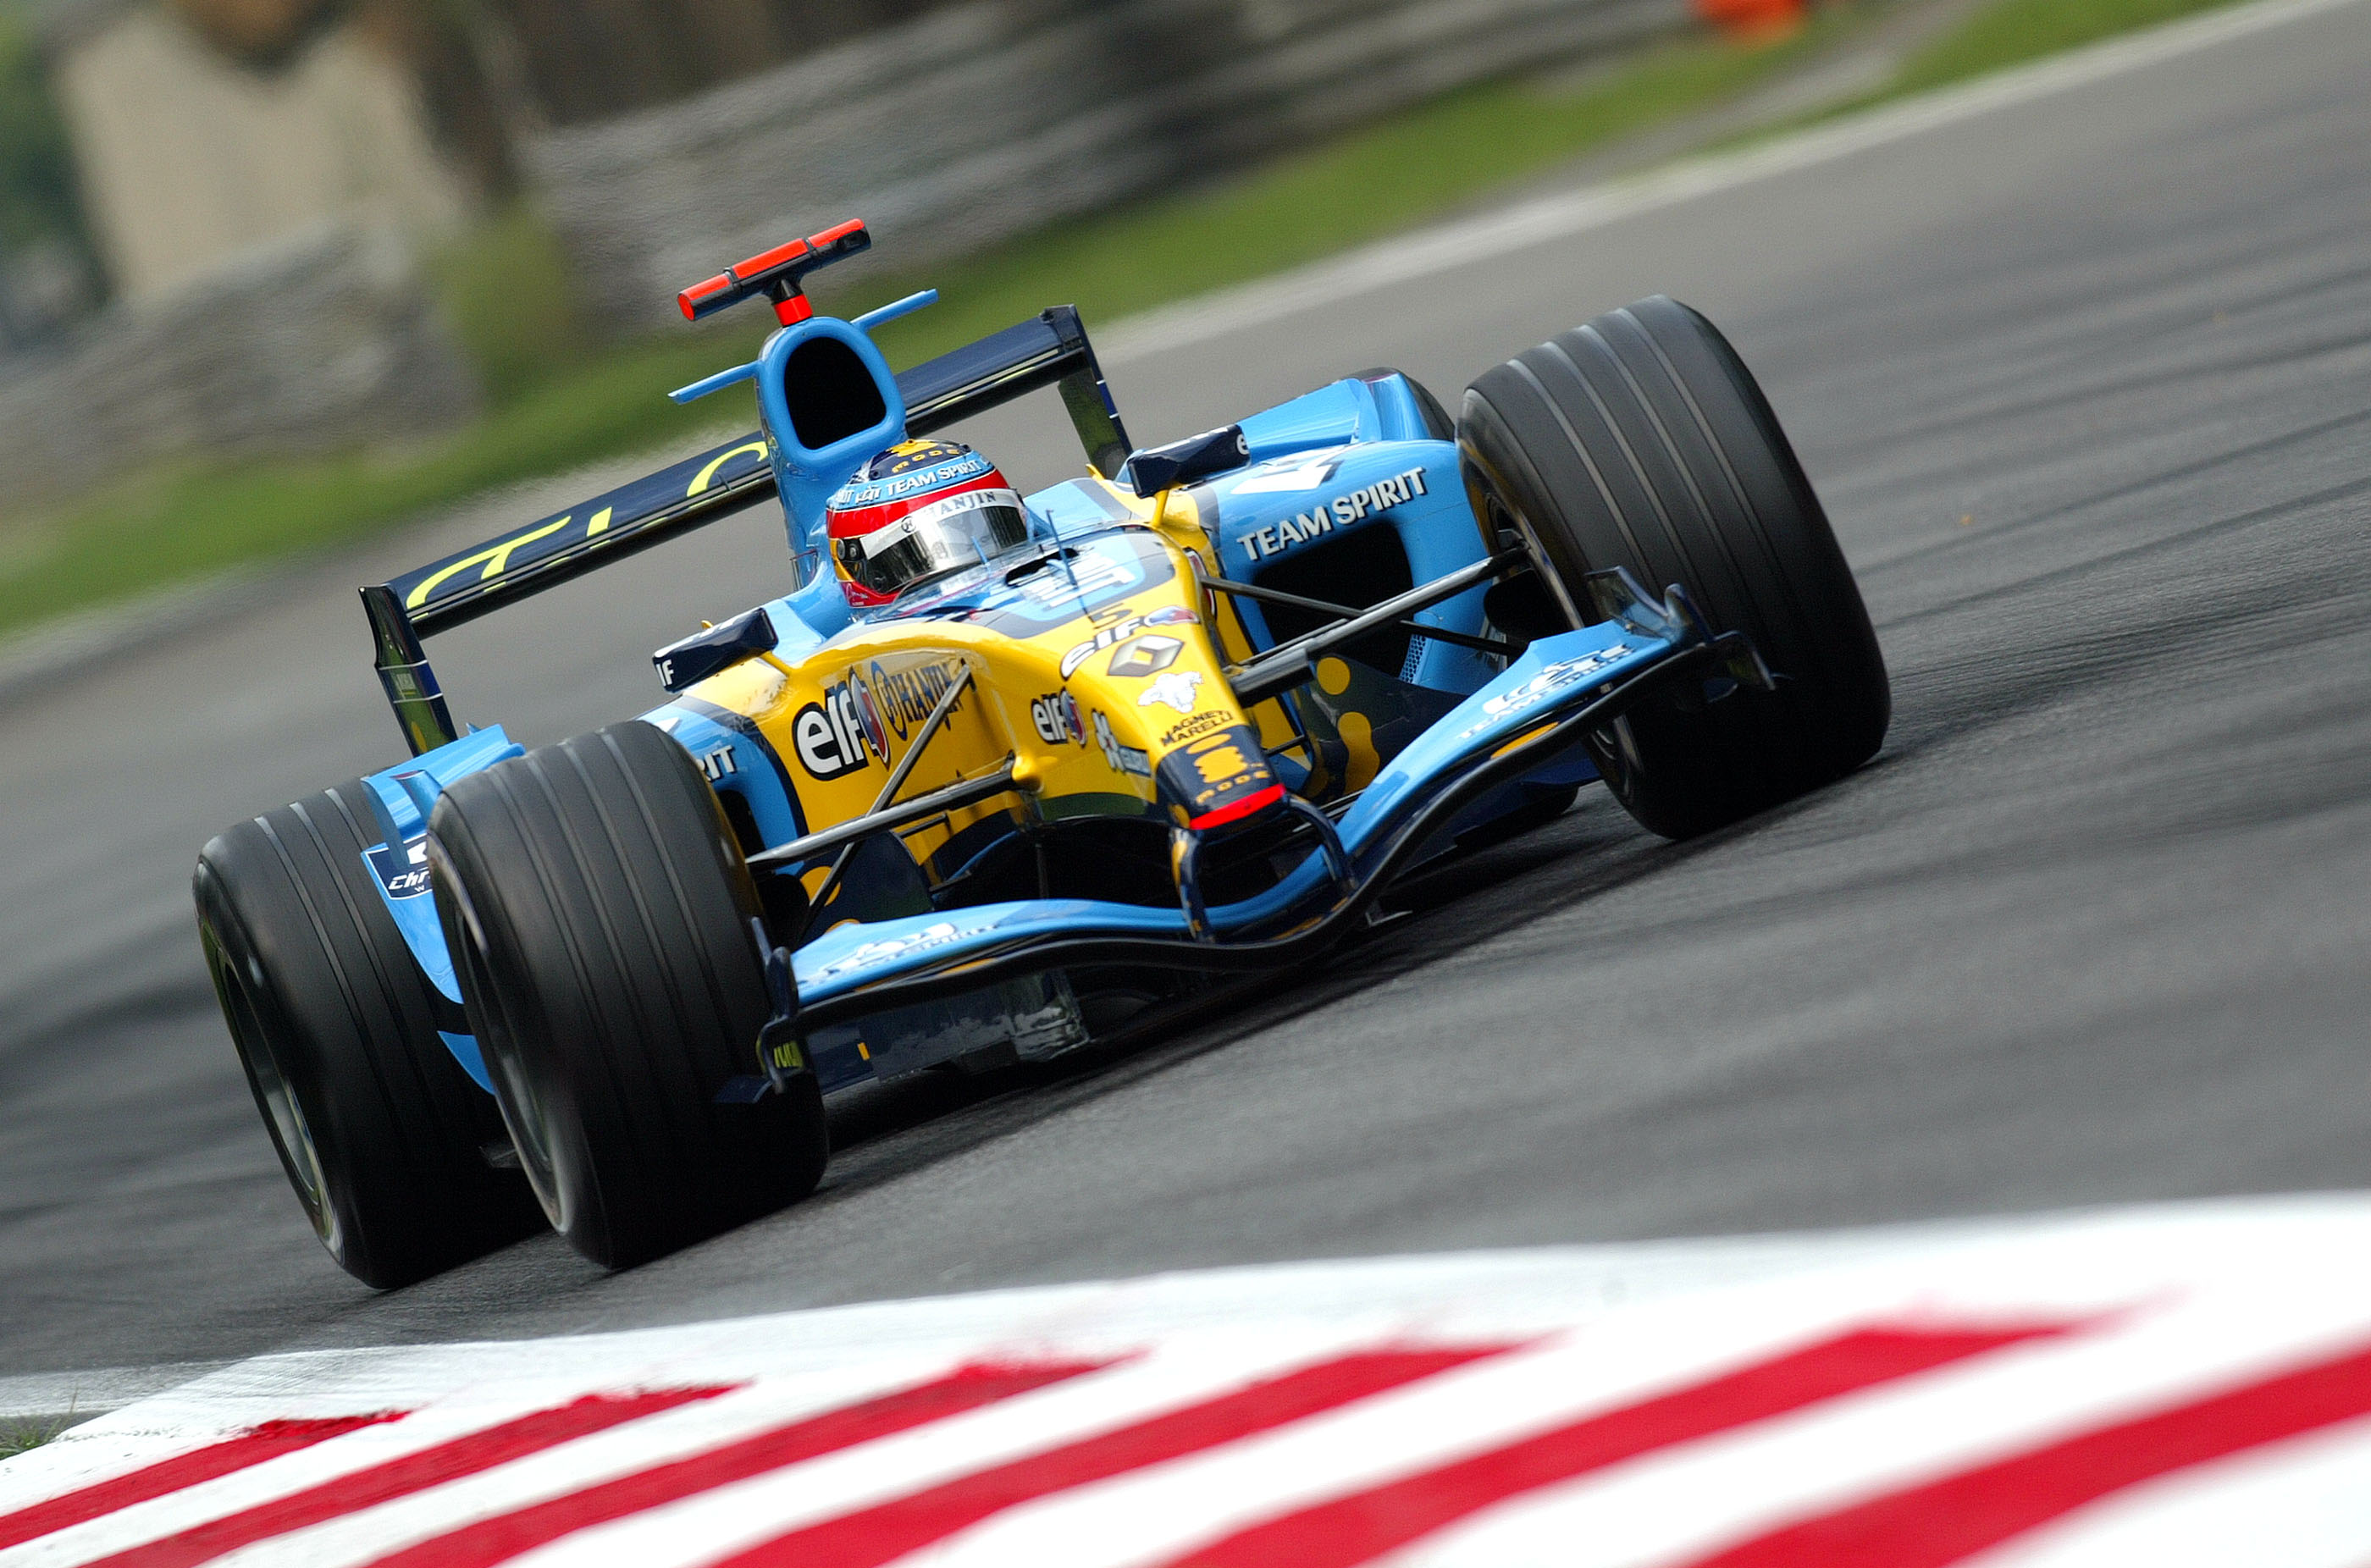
1346 612
1283 668
964 792
898 775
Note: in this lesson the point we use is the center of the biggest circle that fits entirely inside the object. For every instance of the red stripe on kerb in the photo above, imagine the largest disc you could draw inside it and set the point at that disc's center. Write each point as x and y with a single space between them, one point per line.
251 1446
402 1476
496 1540
1923 1527
891 1529
1367 1523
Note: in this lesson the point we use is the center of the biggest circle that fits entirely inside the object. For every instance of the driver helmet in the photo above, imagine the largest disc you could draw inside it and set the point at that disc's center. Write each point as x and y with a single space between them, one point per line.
917 512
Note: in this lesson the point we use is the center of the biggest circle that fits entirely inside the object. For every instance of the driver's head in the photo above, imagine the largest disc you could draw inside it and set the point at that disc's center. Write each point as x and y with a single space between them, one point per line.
919 510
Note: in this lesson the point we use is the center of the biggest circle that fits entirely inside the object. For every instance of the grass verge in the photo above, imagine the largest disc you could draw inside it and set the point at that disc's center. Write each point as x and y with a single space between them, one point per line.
23 1436
557 402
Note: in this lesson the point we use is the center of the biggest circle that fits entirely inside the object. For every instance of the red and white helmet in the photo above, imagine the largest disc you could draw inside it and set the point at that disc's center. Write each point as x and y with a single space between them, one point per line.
920 511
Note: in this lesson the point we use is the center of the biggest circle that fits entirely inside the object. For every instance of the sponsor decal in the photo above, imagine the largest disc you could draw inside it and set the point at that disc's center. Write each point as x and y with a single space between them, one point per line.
867 709
869 954
1056 717
906 697
1145 656
1300 472
1119 631
402 871
970 466
1555 678
826 737
1123 759
1176 688
868 714
1217 770
719 763
1195 724
1222 764
1324 517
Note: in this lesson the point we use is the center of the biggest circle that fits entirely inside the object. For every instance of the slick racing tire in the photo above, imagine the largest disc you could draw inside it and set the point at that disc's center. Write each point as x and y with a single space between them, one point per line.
598 913
382 1134
1641 440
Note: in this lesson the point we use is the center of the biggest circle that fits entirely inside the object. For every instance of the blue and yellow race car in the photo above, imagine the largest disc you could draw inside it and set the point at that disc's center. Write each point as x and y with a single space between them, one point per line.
1002 776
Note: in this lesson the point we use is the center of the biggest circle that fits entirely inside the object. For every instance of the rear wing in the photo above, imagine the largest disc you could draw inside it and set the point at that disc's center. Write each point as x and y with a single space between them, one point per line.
1050 350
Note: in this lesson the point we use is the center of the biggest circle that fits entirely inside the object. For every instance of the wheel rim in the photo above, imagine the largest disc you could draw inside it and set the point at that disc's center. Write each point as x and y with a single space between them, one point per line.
283 1113
516 1091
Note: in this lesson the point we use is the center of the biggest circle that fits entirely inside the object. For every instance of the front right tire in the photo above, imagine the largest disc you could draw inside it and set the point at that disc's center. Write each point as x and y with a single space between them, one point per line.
598 912
1641 440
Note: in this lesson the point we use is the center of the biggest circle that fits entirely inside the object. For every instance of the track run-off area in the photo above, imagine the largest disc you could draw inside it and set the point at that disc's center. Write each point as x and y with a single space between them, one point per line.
2081 365
2174 1386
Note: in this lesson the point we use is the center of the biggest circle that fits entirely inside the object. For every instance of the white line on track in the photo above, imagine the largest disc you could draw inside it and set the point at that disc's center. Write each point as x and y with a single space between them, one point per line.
1447 247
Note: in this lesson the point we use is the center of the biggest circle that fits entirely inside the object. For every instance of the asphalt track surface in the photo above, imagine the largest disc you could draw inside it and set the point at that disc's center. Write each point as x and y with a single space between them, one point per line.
2087 387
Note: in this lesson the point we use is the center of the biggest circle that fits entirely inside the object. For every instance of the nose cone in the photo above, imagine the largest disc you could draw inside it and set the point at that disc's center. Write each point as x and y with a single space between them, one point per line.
1160 707
1219 778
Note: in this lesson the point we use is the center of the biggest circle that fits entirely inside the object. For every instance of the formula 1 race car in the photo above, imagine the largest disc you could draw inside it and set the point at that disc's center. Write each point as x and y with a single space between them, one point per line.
1000 774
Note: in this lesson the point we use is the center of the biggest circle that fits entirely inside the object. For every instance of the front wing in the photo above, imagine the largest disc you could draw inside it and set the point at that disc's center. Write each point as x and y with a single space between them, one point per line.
1560 689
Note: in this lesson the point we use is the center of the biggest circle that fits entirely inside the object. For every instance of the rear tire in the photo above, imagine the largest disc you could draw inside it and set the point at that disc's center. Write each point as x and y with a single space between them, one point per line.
598 913
1641 440
380 1131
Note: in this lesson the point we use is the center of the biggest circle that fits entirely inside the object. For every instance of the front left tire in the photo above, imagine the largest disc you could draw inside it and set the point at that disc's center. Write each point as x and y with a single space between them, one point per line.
599 913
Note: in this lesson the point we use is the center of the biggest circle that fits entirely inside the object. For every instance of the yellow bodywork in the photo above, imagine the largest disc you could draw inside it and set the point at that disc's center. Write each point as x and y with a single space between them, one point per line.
1086 732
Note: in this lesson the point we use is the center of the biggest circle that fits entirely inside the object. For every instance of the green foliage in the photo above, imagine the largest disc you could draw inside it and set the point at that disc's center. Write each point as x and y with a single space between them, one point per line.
23 1436
200 517
2010 32
557 402
505 291
37 180
1312 204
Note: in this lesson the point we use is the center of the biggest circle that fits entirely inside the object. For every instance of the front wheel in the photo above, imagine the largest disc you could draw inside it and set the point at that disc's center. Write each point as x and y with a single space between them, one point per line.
1641 440
598 911
383 1135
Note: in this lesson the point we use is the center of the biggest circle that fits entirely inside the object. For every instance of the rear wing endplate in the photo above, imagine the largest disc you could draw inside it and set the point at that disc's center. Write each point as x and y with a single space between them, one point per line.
1052 350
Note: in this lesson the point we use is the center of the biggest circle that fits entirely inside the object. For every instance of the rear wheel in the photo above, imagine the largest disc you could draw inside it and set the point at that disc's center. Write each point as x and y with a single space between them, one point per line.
599 912
383 1135
1641 440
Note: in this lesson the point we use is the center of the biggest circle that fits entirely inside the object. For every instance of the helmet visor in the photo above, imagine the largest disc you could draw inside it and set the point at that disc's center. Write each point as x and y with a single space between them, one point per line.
930 541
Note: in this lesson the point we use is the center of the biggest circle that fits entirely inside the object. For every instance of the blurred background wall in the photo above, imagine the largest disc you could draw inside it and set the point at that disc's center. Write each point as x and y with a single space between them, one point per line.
975 121
221 213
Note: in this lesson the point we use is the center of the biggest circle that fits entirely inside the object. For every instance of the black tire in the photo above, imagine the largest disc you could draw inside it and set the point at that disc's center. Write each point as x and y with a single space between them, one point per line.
598 912
381 1133
1641 440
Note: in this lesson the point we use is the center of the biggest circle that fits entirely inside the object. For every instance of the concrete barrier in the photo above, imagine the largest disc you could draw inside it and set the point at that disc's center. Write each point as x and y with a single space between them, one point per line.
324 340
982 121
